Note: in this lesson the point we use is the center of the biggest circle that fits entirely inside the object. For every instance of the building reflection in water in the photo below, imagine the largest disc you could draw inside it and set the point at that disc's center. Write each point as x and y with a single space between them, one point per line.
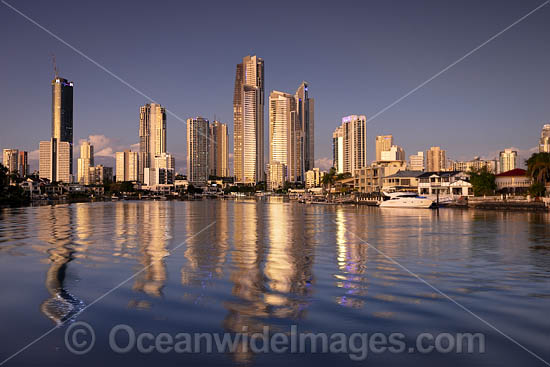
154 231
55 227
206 254
352 259
272 271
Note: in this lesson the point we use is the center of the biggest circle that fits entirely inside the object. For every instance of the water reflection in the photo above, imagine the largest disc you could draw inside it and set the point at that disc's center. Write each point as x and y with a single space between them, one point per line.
56 229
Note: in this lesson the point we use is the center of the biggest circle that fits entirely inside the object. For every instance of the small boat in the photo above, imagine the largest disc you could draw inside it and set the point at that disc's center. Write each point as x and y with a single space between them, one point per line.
405 200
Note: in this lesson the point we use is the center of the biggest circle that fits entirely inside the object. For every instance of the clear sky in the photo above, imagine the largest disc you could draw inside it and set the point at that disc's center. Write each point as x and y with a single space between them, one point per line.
358 56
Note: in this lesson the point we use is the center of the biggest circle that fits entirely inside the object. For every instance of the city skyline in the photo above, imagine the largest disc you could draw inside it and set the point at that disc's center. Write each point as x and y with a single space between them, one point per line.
432 114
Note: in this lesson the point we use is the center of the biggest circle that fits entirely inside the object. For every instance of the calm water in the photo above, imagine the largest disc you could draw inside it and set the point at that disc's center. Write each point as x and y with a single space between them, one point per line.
271 264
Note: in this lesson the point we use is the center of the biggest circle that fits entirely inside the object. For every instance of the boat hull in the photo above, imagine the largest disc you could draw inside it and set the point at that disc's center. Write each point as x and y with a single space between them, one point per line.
407 203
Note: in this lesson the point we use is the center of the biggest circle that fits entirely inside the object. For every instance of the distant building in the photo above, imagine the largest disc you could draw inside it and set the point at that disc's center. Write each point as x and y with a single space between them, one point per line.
416 162
286 142
507 160
127 166
349 144
55 157
248 121
544 144
514 181
395 153
84 163
314 177
436 159
198 131
101 174
152 135
476 164
383 143
10 160
22 164
218 154
276 175
305 119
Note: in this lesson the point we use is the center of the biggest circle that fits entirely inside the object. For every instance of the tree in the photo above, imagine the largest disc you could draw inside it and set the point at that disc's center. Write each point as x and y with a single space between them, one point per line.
538 168
328 179
483 182
4 178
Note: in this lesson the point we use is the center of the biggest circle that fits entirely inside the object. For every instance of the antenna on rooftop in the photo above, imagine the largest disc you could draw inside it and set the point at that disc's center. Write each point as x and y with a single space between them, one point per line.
54 65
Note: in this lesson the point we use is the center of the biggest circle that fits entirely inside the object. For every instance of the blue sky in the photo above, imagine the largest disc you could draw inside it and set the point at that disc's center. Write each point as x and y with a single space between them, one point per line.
358 56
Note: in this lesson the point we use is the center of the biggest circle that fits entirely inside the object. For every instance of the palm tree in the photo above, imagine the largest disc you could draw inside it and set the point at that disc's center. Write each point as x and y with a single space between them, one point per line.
328 179
538 167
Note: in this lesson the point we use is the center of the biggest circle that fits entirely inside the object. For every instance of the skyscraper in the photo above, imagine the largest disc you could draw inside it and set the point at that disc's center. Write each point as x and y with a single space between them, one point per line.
152 135
416 162
350 144
507 160
248 120
383 143
286 142
436 159
395 153
59 161
198 141
218 155
544 144
22 164
306 122
127 166
10 160
84 163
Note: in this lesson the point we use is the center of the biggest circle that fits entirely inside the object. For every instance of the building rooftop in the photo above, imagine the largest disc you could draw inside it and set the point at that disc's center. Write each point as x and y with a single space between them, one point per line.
406 173
440 174
514 172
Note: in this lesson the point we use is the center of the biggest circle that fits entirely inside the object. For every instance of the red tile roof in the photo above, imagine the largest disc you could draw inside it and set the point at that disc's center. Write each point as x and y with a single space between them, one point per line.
514 172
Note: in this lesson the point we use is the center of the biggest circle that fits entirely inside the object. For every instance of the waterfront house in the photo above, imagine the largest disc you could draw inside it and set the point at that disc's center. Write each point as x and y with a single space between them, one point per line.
445 183
514 181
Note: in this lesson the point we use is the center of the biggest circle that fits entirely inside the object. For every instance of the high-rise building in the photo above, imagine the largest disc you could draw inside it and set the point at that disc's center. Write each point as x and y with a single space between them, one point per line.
152 135
22 164
507 160
198 141
338 149
248 121
305 120
276 175
349 144
285 135
127 166
56 155
436 159
62 125
395 153
383 143
101 174
416 162
218 155
544 144
314 177
10 160
84 163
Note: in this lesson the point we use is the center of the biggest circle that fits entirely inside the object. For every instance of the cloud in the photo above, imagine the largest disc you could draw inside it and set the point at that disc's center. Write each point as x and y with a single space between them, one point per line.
323 163
105 146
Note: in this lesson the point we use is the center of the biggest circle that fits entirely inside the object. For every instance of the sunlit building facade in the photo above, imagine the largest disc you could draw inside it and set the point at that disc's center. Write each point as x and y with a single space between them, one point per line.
198 141
507 160
383 143
84 163
127 166
152 135
544 143
10 160
436 159
416 162
349 143
218 154
248 121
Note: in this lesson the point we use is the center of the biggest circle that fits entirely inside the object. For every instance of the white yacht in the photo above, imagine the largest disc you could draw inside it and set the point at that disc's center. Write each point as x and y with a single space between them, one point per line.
405 200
